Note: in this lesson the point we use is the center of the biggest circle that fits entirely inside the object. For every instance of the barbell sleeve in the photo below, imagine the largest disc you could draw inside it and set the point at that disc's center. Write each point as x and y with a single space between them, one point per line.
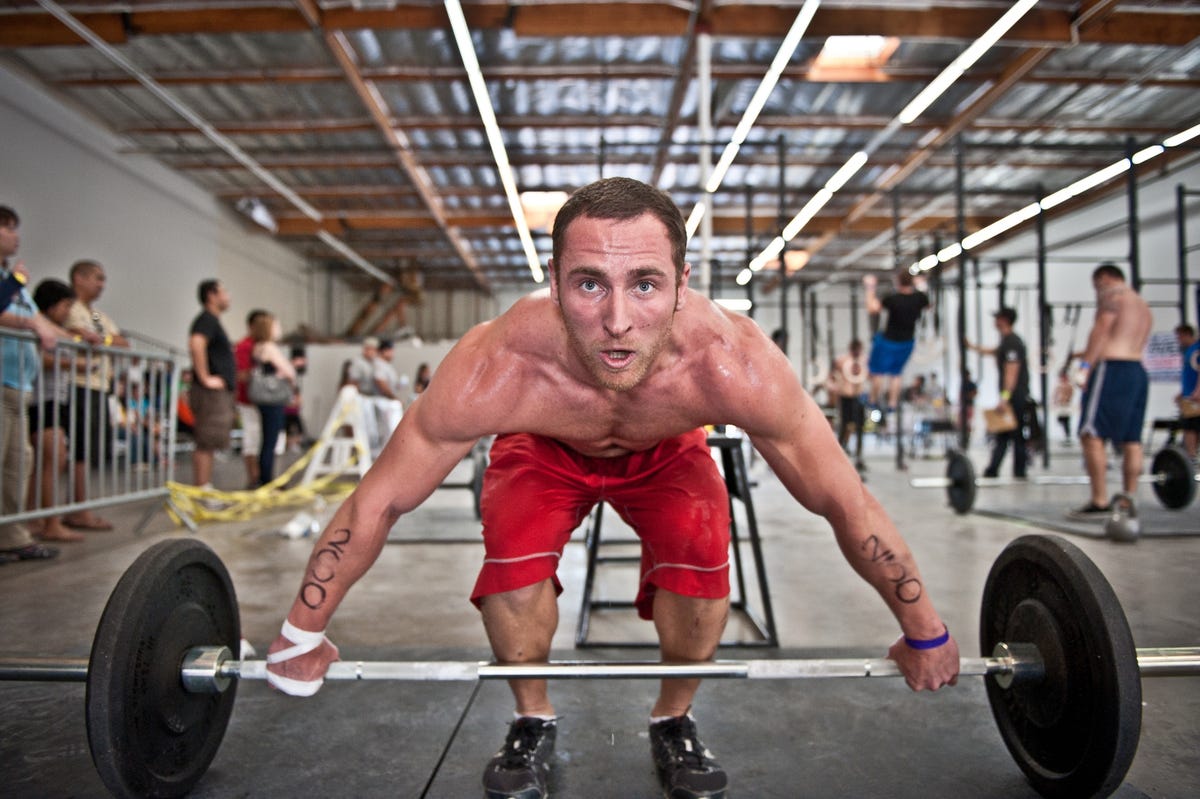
1174 661
1039 480
44 669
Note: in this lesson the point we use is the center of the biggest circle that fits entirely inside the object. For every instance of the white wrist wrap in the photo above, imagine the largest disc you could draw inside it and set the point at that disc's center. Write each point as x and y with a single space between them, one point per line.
305 642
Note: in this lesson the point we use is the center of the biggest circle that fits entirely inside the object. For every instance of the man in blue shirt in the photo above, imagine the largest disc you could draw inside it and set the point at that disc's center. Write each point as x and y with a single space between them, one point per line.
19 367
1189 395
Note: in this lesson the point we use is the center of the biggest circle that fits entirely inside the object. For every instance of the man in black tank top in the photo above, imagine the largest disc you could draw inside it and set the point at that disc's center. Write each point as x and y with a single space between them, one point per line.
892 346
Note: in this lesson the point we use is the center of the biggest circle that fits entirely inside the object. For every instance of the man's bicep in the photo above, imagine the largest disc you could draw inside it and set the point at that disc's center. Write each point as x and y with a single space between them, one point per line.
198 346
414 462
1102 326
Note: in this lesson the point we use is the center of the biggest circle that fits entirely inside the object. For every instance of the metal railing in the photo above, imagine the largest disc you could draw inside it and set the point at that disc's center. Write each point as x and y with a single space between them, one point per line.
99 423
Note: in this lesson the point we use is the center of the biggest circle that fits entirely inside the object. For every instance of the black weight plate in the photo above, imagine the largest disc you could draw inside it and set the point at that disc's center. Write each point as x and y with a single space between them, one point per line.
1176 486
961 474
149 736
1075 732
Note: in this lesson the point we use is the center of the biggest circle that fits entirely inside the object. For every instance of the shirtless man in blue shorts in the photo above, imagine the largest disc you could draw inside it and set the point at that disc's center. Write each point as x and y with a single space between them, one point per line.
1114 400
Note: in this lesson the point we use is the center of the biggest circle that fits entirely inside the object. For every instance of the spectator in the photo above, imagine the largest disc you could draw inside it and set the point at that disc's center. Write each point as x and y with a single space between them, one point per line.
92 441
847 378
916 393
267 354
293 423
1013 366
1064 392
391 383
133 414
1189 395
362 371
421 381
248 416
381 412
213 379
48 419
970 390
18 370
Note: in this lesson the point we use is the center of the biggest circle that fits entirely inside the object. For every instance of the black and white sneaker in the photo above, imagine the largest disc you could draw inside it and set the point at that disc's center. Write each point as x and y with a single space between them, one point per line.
686 769
519 770
1091 512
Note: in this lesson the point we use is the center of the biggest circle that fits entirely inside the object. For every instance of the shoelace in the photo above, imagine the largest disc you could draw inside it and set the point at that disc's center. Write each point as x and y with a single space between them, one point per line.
685 747
522 743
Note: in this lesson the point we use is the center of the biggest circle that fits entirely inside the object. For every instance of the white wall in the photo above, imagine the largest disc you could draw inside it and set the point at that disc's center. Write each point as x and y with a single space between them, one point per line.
80 193
322 378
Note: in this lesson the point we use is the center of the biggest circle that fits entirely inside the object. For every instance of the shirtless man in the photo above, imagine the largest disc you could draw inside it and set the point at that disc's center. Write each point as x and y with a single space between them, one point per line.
1114 400
846 382
598 390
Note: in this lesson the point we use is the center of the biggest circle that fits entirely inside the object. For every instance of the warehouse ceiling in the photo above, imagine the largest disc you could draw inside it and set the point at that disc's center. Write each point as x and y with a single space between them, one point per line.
352 130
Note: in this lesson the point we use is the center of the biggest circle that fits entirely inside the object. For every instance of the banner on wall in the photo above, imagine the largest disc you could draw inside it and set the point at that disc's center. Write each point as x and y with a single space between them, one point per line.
1162 358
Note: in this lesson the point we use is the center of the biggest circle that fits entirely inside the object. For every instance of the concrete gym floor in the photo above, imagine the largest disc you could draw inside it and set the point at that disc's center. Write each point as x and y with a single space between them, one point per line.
816 738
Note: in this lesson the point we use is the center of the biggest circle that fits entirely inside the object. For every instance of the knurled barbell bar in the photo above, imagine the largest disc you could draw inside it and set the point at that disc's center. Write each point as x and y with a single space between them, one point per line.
1064 679
1172 476
211 669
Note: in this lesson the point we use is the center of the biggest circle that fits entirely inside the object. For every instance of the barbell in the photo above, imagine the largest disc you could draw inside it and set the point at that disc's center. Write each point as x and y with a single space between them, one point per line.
1172 476
1062 674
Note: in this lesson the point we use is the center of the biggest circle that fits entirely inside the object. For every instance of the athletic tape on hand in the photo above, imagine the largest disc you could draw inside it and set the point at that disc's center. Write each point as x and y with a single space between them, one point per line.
304 642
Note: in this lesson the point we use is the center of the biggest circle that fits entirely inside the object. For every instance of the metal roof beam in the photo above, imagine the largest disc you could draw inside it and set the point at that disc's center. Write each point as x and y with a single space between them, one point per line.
534 72
396 139
1041 27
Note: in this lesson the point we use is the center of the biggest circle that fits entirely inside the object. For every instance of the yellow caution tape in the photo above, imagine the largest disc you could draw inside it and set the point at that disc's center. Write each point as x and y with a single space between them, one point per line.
210 504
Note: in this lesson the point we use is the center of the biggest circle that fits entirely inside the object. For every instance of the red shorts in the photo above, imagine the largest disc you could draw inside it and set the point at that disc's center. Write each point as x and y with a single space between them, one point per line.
537 491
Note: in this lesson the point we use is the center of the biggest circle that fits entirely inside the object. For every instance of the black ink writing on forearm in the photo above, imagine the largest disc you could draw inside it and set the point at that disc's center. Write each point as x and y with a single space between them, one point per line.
908 589
323 568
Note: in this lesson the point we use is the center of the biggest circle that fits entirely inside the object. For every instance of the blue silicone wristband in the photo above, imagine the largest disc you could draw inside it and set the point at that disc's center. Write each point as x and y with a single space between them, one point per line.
928 643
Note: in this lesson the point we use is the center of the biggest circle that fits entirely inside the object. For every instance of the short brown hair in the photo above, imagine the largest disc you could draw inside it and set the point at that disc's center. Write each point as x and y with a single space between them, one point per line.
260 327
84 266
623 199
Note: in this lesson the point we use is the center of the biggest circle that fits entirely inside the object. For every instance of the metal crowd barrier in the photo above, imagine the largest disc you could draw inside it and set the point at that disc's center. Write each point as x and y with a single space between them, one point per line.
125 434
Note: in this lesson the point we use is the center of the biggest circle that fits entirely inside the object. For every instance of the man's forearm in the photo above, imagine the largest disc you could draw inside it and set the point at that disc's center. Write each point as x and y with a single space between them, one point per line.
8 319
345 551
1008 382
879 554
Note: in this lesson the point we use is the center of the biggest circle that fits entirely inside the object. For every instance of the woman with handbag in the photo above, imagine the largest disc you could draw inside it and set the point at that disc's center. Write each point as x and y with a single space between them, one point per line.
272 383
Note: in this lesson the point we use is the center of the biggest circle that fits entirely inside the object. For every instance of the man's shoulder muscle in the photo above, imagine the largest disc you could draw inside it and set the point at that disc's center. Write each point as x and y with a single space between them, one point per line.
734 364
493 365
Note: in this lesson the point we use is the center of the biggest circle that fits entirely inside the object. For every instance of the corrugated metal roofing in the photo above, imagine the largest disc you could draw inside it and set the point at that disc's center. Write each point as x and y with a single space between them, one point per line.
364 110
